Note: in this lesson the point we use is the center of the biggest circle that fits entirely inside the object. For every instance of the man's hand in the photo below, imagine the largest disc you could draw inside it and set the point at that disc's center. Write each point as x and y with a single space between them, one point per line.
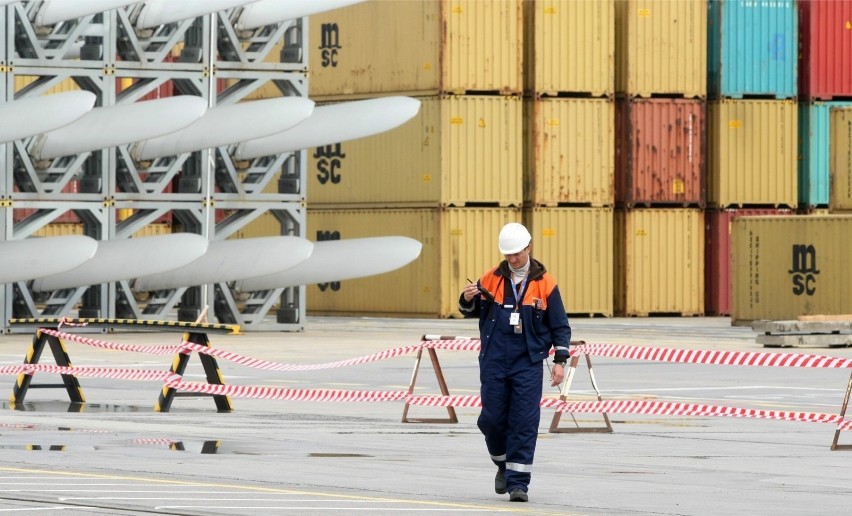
557 374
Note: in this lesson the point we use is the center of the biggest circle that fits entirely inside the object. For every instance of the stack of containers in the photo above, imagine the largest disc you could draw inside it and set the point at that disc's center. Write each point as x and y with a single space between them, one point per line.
752 49
569 112
661 88
450 177
825 84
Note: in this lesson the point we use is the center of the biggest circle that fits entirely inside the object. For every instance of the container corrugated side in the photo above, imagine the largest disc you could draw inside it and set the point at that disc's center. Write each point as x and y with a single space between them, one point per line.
752 153
458 243
457 150
825 49
660 151
841 159
569 155
753 48
814 158
421 47
661 47
785 267
569 47
659 261
576 246
717 256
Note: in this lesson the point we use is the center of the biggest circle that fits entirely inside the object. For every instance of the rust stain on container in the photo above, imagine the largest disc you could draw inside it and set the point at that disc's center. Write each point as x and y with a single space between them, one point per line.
784 267
457 150
569 46
661 47
421 47
660 151
458 243
576 246
752 153
659 261
569 151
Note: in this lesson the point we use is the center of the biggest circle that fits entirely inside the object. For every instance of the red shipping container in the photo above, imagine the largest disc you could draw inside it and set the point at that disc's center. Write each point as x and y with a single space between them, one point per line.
825 35
717 255
660 152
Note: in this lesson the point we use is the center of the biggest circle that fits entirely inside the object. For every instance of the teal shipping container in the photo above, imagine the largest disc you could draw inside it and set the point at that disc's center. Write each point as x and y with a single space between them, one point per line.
814 159
752 48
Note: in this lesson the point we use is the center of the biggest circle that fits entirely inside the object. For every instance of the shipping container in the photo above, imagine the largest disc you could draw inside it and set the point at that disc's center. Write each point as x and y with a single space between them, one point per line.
717 256
458 150
841 159
753 48
569 46
660 151
569 156
814 159
785 267
576 247
659 261
752 153
661 47
420 47
458 243
825 34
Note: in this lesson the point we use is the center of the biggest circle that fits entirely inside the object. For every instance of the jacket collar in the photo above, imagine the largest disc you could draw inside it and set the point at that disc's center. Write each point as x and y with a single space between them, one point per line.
537 269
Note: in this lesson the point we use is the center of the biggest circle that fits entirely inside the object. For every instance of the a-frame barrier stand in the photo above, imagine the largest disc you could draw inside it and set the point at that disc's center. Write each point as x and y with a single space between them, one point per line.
195 332
24 381
834 445
563 395
442 385
211 372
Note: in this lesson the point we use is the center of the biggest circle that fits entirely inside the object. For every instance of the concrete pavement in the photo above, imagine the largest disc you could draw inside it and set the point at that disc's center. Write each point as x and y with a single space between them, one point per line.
117 456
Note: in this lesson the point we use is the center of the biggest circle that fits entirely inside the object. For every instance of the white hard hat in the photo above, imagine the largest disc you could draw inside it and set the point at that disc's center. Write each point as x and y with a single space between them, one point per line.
513 238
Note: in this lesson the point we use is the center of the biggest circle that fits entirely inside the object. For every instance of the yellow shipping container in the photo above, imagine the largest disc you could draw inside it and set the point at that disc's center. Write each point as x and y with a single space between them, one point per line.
63 229
661 47
787 266
659 265
457 150
22 81
840 171
569 46
752 153
419 47
576 246
570 154
458 243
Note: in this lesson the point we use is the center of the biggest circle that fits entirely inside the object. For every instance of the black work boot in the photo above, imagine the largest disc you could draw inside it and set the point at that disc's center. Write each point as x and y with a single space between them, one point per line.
518 495
500 482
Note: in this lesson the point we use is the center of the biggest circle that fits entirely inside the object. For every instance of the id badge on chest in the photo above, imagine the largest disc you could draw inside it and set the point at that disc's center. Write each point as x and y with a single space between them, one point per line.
515 321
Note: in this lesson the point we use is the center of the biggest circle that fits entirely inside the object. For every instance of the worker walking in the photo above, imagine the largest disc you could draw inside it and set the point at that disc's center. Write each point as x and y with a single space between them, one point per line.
521 316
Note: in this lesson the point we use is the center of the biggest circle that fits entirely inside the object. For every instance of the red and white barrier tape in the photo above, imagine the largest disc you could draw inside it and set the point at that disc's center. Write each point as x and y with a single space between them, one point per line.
740 358
91 372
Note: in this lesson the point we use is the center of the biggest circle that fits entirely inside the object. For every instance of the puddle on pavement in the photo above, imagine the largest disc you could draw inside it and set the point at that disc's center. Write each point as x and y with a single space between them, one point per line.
68 406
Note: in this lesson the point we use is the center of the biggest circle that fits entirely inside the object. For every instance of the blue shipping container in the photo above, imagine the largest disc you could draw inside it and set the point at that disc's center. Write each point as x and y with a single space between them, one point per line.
753 48
814 140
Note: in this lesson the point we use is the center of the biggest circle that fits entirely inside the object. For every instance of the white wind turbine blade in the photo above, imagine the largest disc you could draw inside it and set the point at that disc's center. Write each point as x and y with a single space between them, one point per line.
224 125
228 260
335 123
117 260
337 260
269 12
160 12
54 11
34 257
116 125
36 115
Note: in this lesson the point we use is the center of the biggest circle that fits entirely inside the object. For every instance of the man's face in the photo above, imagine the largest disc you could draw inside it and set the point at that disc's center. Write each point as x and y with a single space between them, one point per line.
518 259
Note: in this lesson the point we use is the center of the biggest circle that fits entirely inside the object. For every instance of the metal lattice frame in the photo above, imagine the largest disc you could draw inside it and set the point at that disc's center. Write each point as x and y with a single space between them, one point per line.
116 197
